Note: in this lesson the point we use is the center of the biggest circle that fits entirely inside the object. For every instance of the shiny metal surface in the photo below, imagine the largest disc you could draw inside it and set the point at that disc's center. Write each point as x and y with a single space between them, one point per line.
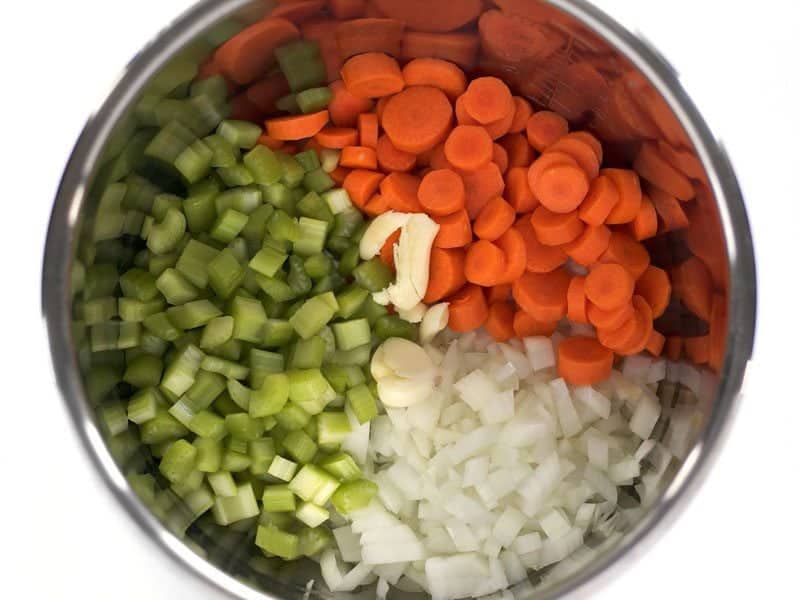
585 27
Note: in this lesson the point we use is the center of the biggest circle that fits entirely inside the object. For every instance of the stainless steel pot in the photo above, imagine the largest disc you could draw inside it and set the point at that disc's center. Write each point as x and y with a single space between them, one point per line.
596 59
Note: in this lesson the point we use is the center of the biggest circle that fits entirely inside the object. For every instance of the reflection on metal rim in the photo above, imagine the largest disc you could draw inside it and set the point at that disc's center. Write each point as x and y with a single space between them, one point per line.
62 236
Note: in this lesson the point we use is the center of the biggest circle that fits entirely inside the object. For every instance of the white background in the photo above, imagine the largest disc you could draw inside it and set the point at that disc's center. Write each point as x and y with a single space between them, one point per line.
62 536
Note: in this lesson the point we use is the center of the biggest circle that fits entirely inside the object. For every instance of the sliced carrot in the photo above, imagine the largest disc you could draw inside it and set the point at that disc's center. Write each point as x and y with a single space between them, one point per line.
387 250
518 192
669 210
500 322
455 231
358 157
270 142
538 257
347 9
684 161
555 229
583 361
544 128
654 286
297 127
377 205
718 331
423 15
623 108
704 236
609 286
609 319
380 104
323 31
545 162
462 116
693 286
337 137
373 11
400 190
655 345
652 167
358 36
561 188
590 140
488 99
542 295
468 309
368 129
339 174
372 75
644 328
485 264
630 196
513 246
361 185
626 335
441 192
520 153
511 39
673 346
626 251
601 199
417 119
579 90
522 112
248 54
499 128
458 48
645 225
468 147
481 186
697 348
582 152
526 326
589 245
345 107
499 293
265 92
392 159
438 160
446 274
494 219
436 73
500 158
298 11
576 300
244 110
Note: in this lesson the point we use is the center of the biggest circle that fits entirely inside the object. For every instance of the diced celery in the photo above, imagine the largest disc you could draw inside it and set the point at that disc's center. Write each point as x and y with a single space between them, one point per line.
223 153
225 274
307 354
277 290
357 356
137 311
352 334
342 466
235 461
312 316
236 508
347 224
241 199
113 417
239 393
180 374
244 427
309 389
209 454
314 540
199 206
311 483
223 484
353 495
362 403
318 266
263 363
277 333
225 367
311 238
332 428
267 261
207 424
311 514
236 175
216 332
178 461
165 234
176 288
205 389
262 452
373 275
282 468
161 428
193 262
338 201
228 225
193 314
143 371
264 165
240 134
318 181
138 284
143 406
313 99
278 195
249 319
300 446
279 543
298 280
371 310
194 162
288 103
278 498
283 227
301 63
292 417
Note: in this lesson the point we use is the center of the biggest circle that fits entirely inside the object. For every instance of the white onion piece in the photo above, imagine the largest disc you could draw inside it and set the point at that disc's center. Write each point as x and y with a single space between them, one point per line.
349 544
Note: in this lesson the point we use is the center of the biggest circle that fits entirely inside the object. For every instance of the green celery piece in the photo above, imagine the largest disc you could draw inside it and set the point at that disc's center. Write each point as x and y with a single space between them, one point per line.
161 326
236 176
277 290
262 452
283 227
389 326
347 224
239 393
278 542
100 281
144 371
307 354
271 397
178 461
216 332
308 159
236 508
141 193
228 225
311 515
193 262
143 406
373 275
264 166
161 428
241 199
277 333
182 370
313 99
338 200
318 266
282 468
362 402
176 288
263 363
292 417
309 481
278 195
194 162
353 495
215 87
312 316
206 388
244 427
238 248
278 498
311 238
139 285
301 63
314 540
193 314
332 428
131 309
313 206
256 227
225 274
329 158
209 454
235 461
162 203
223 153
225 367
293 172
299 446
199 206
350 300
224 405
223 484
207 424
318 181
352 334
309 390
168 143
288 103
249 319
371 310
343 377
298 280
240 134
99 310
113 417
357 356
267 261
165 235
342 466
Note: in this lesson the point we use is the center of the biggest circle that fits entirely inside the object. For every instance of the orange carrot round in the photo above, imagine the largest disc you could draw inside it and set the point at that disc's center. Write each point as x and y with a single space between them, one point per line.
249 53
499 128
546 161
522 112
644 328
270 142
339 174
377 205
520 153
654 286
380 104
392 159
576 300
459 48
347 9
358 157
561 188
526 326
500 158
588 139
369 34
645 225
624 250
494 219
609 319
498 293
669 210
485 264
446 274
417 118
481 186
423 15
655 345
518 192
368 129
609 286
468 309
361 186
651 166
372 75
538 257
582 152
630 196
345 107
337 137
542 295
693 286
555 229
441 192
297 127
436 73
500 322
468 147
589 245
400 190
462 116
583 361
455 231
544 128
488 99
513 246
601 199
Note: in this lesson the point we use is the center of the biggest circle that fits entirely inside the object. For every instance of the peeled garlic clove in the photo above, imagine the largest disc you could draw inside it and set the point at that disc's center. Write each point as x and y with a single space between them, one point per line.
412 261
379 231
378 366
414 315
434 321
406 359
398 392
